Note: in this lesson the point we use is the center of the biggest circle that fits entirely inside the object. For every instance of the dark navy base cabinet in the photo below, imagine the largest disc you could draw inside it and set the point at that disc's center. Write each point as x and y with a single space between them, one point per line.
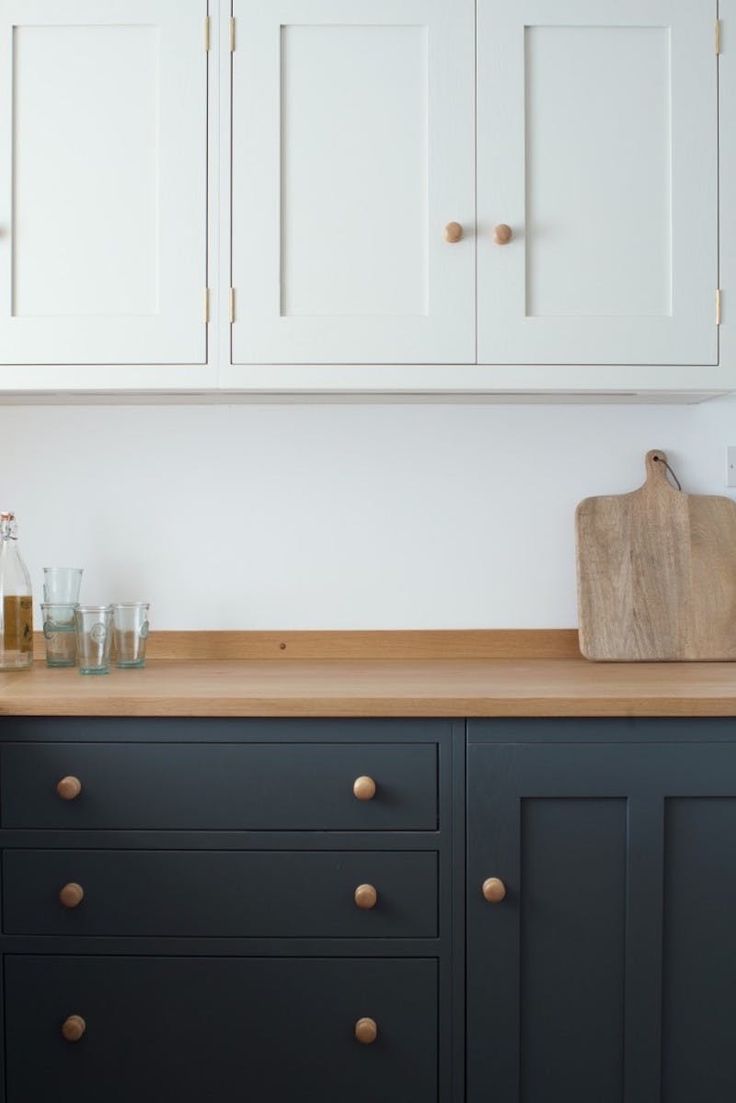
218 951
608 972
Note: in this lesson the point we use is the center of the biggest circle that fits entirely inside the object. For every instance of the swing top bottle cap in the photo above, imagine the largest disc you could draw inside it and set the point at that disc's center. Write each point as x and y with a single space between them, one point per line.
8 525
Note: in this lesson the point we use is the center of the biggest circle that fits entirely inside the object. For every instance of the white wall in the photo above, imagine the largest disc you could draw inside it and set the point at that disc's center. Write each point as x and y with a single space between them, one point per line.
296 516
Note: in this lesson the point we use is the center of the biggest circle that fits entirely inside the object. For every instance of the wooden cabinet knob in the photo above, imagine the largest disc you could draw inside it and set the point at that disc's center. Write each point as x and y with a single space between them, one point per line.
453 232
69 788
73 1028
364 788
366 897
502 234
366 1031
494 890
72 895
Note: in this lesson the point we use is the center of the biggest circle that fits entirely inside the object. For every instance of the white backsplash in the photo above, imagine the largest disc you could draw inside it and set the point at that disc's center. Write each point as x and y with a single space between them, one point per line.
340 516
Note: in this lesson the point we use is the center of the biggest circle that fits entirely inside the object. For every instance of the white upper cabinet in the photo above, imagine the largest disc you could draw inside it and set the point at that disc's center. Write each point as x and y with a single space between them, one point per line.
103 182
598 147
353 148
505 197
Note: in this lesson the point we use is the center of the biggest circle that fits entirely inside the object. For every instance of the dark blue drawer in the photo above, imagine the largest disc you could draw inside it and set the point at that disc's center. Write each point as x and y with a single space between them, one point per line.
236 894
220 786
225 1029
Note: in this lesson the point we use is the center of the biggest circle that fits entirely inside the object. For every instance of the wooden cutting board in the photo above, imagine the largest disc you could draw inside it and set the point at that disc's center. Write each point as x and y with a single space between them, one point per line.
657 573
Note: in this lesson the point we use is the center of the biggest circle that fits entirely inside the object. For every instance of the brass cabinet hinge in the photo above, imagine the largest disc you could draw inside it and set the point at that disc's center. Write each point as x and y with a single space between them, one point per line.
206 305
232 34
206 33
231 305
718 306
718 36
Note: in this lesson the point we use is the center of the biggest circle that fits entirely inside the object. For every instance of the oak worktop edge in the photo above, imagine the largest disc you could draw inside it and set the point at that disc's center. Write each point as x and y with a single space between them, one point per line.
378 688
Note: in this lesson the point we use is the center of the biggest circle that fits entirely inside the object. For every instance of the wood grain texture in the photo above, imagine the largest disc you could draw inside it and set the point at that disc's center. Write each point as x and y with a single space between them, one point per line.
473 643
439 688
657 573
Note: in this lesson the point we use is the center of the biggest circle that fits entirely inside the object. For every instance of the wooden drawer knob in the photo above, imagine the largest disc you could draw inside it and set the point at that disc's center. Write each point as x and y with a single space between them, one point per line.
366 1031
453 232
494 890
502 234
366 897
72 895
364 788
73 1028
69 788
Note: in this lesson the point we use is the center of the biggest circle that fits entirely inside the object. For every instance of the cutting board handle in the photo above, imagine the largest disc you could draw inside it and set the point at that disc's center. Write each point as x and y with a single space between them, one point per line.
656 465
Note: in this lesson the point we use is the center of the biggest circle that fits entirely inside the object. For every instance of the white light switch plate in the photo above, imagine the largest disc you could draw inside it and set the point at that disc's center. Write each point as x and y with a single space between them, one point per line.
731 465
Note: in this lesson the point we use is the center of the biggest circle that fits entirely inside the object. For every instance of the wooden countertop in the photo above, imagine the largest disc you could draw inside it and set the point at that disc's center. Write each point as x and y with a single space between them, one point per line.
435 687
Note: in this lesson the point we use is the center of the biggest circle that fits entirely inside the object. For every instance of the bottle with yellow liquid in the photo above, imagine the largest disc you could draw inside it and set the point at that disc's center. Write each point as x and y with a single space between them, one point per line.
16 601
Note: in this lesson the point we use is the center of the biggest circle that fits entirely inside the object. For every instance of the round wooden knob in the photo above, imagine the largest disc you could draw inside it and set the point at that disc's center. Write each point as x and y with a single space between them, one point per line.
366 1031
453 232
494 890
69 788
364 788
72 895
366 897
73 1028
502 234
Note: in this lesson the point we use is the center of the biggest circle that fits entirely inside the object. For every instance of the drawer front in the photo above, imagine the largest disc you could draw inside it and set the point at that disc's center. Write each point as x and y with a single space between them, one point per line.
225 1029
220 786
235 894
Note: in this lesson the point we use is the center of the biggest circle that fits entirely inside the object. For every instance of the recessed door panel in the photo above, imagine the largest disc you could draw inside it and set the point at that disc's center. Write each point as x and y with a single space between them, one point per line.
572 960
699 957
612 254
352 150
376 161
597 145
103 189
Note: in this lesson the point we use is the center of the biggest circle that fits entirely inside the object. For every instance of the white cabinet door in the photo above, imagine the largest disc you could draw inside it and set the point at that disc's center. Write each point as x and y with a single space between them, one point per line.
103 181
597 145
353 147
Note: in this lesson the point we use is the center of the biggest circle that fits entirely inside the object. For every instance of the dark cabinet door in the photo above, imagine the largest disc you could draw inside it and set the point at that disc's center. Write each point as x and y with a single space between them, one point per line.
220 1029
608 971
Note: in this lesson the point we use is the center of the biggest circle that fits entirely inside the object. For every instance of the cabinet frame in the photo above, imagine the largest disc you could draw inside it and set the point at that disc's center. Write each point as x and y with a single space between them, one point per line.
219 380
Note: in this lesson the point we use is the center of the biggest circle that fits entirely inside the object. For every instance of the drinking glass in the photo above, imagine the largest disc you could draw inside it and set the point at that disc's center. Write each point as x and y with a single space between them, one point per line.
60 633
130 630
61 585
94 638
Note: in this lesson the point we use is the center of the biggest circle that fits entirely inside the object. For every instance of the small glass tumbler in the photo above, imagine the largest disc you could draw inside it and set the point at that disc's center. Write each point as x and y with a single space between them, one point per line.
130 629
61 585
94 638
60 633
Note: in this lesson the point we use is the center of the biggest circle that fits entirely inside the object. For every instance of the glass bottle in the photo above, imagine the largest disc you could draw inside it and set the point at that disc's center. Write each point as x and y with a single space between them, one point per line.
16 601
